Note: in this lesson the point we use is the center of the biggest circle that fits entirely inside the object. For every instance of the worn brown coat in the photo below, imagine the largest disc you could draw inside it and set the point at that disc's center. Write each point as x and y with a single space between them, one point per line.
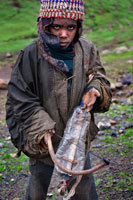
38 99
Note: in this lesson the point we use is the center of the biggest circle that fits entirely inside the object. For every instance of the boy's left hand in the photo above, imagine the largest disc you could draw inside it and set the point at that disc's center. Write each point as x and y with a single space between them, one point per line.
89 99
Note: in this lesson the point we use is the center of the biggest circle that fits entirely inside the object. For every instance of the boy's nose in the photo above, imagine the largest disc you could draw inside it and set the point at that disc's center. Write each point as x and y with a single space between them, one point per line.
63 33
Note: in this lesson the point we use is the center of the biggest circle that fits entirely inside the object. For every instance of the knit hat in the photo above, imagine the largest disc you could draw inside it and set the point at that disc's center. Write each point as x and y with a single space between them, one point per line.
71 9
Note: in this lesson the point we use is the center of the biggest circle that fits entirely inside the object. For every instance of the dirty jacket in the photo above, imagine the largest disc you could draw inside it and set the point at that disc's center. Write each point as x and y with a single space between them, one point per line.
38 99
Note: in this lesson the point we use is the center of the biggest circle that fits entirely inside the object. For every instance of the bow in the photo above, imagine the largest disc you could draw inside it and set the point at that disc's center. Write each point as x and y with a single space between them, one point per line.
71 172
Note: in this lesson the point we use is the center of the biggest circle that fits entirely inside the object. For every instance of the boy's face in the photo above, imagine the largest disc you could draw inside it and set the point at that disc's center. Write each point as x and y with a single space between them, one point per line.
65 29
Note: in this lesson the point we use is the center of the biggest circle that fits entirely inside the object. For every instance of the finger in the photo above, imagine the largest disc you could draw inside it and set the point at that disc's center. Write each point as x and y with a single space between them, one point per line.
89 108
90 105
46 138
97 93
53 131
82 108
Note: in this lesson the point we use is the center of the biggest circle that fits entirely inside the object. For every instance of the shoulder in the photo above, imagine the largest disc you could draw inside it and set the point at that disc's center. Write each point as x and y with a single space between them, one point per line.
85 43
87 47
30 47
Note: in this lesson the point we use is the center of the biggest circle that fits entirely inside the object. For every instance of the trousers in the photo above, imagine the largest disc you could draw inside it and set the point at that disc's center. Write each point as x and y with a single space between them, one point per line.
40 177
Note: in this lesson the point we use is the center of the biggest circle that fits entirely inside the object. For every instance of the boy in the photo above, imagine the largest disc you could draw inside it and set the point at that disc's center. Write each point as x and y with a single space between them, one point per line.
50 78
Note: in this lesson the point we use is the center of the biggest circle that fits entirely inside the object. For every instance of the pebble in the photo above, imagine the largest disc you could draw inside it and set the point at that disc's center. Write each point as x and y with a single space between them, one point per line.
121 131
8 138
112 122
123 113
97 146
12 180
114 100
113 134
104 125
130 93
120 93
113 87
130 61
119 85
127 79
123 101
1 145
3 84
130 101
107 134
49 194
105 52
120 49
128 125
100 132
117 118
8 55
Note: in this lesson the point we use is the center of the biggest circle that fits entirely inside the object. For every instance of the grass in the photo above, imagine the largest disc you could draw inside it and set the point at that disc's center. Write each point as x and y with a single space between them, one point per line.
113 57
9 164
106 21
18 25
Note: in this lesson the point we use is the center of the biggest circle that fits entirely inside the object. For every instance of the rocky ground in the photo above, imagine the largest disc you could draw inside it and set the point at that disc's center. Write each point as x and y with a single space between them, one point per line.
114 141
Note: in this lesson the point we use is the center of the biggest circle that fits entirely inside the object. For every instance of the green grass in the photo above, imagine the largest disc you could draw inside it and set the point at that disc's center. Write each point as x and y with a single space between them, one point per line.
10 164
17 25
113 57
106 21
14 46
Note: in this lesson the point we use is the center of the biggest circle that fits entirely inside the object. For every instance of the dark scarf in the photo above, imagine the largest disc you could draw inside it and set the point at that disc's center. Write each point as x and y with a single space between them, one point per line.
65 55
50 48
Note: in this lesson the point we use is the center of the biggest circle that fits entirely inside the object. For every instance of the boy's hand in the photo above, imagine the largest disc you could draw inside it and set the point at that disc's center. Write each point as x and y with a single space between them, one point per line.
43 140
89 99
46 136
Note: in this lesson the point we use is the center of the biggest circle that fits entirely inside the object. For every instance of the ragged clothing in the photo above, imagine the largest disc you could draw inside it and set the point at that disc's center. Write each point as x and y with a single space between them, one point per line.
39 100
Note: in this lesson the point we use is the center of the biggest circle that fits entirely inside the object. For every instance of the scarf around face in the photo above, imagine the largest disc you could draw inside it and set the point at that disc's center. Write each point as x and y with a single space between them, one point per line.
49 47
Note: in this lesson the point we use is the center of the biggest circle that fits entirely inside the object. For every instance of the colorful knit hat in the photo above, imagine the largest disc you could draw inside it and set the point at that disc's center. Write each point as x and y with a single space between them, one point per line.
71 9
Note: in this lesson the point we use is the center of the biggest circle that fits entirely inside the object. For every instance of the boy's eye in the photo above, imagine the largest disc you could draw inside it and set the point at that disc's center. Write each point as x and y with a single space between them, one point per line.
55 26
71 27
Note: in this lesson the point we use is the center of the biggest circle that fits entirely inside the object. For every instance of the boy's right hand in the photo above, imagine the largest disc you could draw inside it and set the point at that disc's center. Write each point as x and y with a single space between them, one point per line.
43 140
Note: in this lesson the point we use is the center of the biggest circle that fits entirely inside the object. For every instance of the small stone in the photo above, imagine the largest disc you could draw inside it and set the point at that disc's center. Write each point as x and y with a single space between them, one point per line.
113 87
104 125
119 85
97 146
121 131
3 84
115 181
100 132
105 52
123 101
13 155
127 79
49 194
12 180
114 100
130 93
130 101
1 145
8 55
120 49
120 93
114 134
123 113
112 122
129 61
128 125
8 138
107 134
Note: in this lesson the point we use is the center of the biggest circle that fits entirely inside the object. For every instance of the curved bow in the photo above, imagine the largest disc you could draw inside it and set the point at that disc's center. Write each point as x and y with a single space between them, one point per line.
83 172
